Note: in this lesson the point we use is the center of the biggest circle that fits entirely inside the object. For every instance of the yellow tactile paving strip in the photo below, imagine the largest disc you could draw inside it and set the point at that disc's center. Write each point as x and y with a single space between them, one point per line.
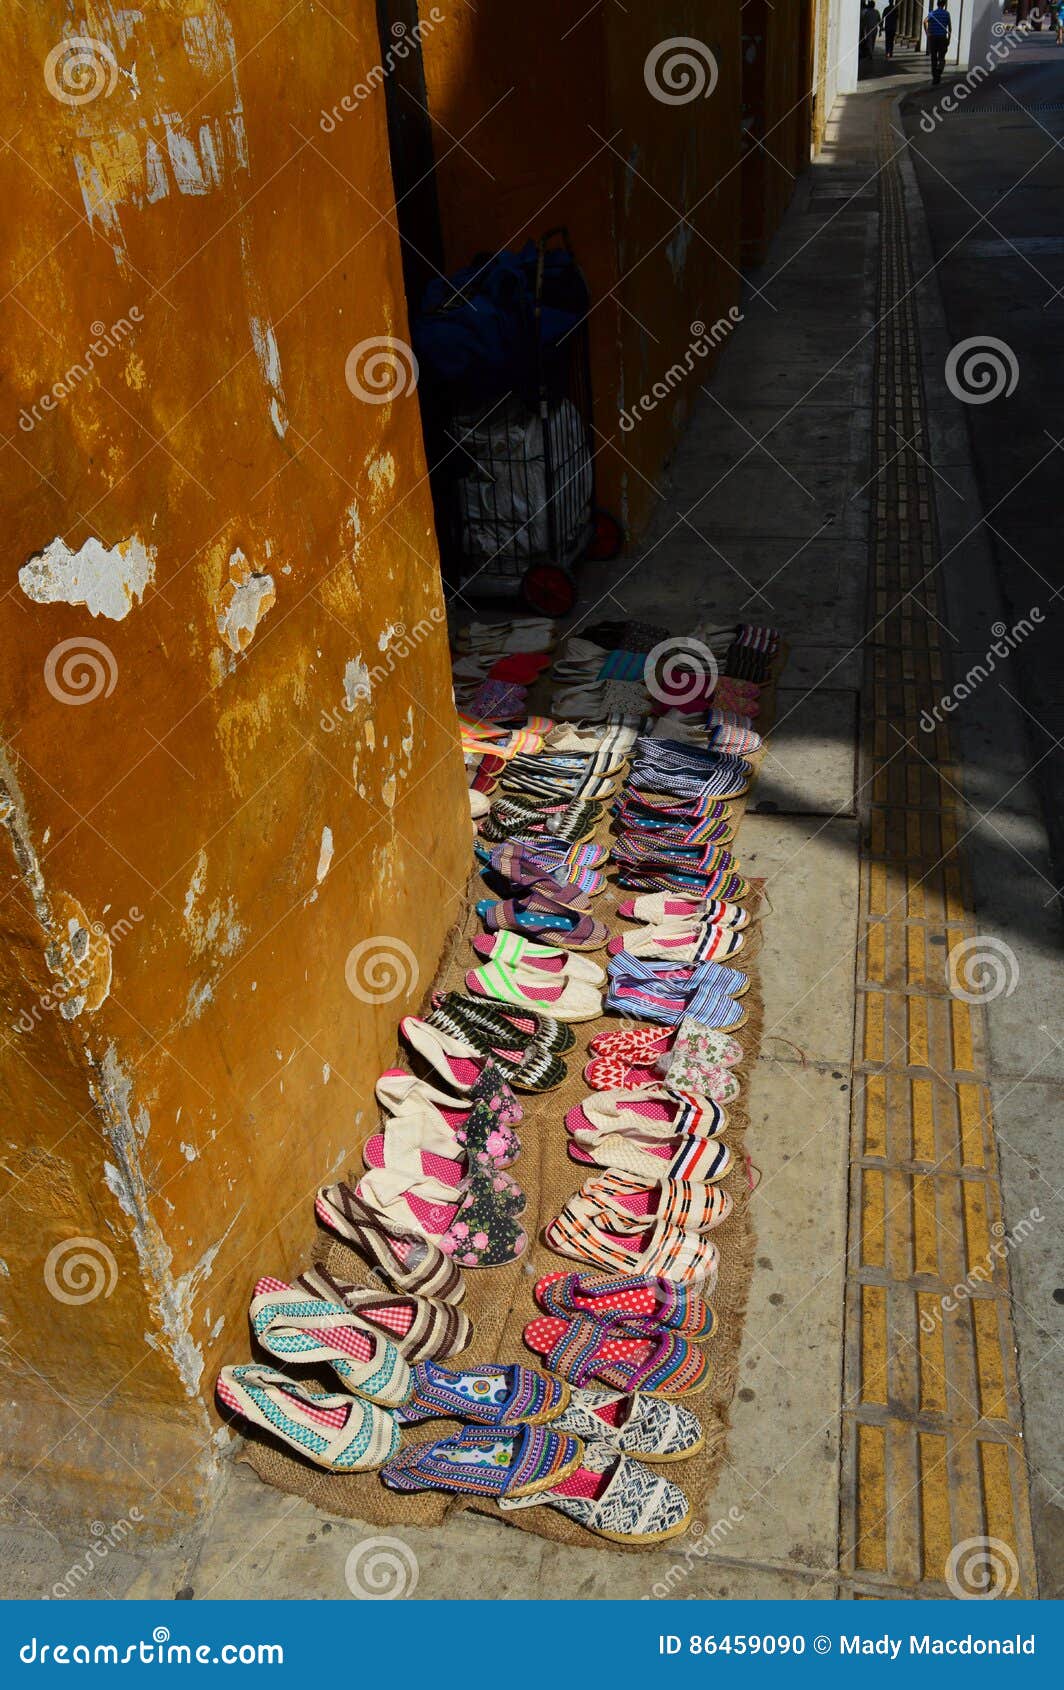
932 1445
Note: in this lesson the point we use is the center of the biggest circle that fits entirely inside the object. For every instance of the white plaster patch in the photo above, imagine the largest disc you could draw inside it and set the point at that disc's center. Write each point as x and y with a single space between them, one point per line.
189 1152
246 598
325 855
269 359
381 472
356 682
326 1073
133 147
196 885
199 996
353 526
107 579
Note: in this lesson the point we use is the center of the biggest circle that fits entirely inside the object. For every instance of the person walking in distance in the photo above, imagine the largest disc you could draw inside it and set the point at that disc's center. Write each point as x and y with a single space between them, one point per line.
889 20
869 28
938 27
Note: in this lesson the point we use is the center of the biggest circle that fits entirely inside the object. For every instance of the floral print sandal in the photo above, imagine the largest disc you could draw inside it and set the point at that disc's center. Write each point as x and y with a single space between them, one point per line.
420 1147
482 1127
476 1227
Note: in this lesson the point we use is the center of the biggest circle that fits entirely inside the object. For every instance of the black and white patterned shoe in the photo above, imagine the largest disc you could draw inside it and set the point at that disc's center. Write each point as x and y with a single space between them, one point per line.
652 1428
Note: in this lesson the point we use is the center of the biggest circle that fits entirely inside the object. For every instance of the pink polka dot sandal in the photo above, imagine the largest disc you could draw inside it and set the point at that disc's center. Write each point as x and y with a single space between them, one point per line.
663 1363
637 1298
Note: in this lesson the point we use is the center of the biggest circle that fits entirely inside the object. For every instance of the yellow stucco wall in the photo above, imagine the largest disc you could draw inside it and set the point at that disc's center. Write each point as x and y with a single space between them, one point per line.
228 742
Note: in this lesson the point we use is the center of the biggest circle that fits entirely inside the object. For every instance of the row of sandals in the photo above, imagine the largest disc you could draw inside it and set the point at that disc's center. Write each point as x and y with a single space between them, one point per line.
436 1197
527 1439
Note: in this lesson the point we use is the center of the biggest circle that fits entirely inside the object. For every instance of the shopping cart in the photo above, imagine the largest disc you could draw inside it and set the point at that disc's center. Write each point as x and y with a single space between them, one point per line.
509 437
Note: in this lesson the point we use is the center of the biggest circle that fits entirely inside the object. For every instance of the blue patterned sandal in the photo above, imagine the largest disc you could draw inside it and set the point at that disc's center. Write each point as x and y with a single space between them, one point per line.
501 1395
478 1461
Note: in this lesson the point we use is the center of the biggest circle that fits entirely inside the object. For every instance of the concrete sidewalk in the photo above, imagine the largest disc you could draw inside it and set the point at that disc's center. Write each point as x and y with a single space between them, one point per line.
767 516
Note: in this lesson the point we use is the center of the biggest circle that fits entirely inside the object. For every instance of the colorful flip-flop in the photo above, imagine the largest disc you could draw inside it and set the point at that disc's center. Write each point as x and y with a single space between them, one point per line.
513 948
400 1254
633 1201
420 1327
528 988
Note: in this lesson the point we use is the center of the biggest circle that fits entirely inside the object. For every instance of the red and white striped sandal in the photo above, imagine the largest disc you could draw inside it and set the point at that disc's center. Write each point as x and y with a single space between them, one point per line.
587 1231
659 1112
692 944
700 1161
658 907
634 1203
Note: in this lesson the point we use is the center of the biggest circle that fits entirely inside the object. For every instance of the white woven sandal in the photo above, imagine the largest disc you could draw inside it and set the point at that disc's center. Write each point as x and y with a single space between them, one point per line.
333 1430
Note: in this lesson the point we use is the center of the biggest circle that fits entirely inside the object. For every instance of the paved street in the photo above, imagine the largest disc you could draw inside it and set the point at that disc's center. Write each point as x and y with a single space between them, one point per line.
991 176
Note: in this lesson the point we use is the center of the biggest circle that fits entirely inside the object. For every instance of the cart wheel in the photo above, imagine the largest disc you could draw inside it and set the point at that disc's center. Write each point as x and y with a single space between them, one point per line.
606 539
549 589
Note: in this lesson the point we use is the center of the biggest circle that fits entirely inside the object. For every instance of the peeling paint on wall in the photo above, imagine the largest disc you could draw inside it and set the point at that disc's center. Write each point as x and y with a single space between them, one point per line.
245 599
381 472
112 1091
76 951
269 358
325 855
109 580
356 682
151 137
216 930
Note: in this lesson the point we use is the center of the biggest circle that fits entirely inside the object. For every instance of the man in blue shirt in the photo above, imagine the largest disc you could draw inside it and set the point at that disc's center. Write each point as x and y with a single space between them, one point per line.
938 27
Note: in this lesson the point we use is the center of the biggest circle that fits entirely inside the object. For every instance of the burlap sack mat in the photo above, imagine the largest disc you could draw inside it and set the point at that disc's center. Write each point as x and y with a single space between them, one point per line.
499 1300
